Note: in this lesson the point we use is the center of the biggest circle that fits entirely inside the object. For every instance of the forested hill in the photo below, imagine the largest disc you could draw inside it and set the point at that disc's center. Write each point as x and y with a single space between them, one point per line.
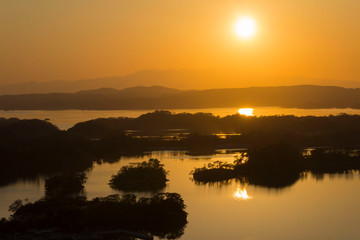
302 96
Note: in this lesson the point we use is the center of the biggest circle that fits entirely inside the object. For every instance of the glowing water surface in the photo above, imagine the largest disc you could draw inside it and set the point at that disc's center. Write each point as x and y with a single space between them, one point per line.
312 208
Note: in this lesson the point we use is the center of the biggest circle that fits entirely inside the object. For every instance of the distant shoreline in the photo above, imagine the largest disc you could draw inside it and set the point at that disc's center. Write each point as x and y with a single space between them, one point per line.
140 98
65 119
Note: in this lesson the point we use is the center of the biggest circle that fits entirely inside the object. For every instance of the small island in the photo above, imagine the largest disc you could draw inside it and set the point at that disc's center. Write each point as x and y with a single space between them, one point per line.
279 165
144 176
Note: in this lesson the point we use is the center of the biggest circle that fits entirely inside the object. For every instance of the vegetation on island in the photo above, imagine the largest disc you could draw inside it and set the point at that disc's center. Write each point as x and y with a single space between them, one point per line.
323 160
67 184
162 215
279 165
145 176
64 211
216 171
207 123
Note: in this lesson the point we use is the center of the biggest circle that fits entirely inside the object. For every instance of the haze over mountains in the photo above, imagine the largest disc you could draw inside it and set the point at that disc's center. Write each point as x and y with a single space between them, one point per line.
179 79
156 97
166 89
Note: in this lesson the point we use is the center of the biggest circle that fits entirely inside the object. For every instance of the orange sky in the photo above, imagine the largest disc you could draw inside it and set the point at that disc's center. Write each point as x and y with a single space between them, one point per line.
42 40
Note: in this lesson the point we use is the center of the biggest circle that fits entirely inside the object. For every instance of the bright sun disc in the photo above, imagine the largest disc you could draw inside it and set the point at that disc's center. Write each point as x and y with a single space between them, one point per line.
245 27
246 111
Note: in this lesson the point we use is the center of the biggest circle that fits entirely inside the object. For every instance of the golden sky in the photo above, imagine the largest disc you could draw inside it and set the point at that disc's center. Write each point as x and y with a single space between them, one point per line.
42 40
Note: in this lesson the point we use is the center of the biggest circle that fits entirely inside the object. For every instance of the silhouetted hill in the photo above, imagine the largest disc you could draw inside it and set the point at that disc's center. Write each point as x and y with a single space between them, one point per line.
303 96
99 91
140 91
181 79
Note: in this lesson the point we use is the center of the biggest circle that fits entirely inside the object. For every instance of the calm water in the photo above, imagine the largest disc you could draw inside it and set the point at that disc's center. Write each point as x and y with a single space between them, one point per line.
65 119
310 209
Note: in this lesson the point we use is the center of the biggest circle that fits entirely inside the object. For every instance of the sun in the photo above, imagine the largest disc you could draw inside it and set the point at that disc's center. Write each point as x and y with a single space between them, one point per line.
245 27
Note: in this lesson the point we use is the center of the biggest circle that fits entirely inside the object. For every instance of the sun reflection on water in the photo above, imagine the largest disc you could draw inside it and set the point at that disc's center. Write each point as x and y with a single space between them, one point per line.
246 111
241 194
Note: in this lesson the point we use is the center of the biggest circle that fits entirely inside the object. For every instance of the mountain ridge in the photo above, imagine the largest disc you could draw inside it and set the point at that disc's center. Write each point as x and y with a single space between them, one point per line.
157 97
184 79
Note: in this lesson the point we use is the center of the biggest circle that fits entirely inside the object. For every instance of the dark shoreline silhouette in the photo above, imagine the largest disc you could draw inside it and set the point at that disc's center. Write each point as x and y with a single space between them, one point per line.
279 165
33 147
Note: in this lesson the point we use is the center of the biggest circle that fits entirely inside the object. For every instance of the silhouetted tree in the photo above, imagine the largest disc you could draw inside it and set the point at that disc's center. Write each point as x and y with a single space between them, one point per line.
144 176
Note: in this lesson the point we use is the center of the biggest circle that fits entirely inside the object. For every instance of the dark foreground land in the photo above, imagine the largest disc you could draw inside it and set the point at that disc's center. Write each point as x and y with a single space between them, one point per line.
32 147
275 154
65 213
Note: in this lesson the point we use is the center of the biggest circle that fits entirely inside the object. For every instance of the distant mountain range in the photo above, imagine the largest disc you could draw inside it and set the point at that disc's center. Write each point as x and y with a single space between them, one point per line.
179 79
156 97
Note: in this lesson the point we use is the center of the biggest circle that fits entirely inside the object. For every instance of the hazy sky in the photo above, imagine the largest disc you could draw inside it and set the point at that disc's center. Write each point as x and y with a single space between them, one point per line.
43 40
